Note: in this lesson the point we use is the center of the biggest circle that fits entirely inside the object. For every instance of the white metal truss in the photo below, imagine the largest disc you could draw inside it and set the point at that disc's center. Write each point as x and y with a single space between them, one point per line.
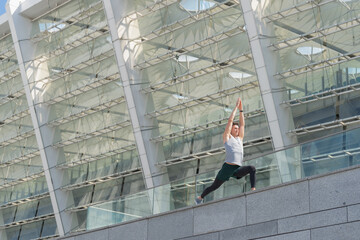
207 126
95 33
191 47
18 137
86 206
310 36
72 19
27 221
203 99
326 125
97 82
15 117
6 54
183 22
4 36
213 152
319 65
10 75
332 155
87 111
48 237
88 158
20 159
83 207
324 95
75 68
157 5
85 136
103 179
7 184
304 6
197 73
24 200
11 96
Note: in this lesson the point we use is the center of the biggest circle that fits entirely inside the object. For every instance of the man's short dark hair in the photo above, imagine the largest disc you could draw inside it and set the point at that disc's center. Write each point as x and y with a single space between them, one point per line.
236 123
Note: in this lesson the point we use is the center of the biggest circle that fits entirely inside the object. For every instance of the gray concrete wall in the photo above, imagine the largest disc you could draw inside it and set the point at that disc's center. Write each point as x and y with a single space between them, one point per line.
325 207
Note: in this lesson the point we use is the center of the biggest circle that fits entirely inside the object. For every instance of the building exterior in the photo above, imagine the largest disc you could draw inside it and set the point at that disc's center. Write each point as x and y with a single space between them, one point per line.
105 99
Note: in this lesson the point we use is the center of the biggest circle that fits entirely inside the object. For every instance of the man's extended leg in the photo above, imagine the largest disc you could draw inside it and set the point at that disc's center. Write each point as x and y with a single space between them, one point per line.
244 170
215 185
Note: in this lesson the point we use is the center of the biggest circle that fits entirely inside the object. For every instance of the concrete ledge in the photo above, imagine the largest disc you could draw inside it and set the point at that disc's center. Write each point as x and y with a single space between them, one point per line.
348 231
313 220
316 208
215 217
278 203
331 191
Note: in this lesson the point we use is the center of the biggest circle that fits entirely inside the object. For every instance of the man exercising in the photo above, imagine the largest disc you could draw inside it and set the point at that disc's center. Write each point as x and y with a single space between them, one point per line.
233 141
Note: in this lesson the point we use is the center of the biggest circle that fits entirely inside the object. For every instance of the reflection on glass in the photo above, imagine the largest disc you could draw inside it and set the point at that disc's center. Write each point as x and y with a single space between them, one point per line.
316 157
197 5
307 51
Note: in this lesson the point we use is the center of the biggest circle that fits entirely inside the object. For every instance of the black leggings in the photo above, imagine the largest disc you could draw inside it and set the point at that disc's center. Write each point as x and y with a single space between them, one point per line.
241 172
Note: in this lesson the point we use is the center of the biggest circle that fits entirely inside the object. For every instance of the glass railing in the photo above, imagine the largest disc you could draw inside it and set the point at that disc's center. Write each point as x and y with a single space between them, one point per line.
317 157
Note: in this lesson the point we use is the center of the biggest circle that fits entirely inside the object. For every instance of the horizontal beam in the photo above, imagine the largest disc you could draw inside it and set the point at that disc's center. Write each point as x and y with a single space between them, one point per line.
318 65
311 36
197 73
172 52
102 179
324 95
213 152
326 125
207 126
24 200
304 6
203 99
89 158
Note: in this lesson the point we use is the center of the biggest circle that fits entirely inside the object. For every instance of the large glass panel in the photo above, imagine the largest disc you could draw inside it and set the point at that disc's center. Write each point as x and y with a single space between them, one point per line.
317 54
22 183
78 95
30 231
191 65
316 157
49 228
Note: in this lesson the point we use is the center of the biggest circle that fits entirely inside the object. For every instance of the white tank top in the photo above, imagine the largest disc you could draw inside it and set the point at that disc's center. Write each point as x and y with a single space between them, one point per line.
234 151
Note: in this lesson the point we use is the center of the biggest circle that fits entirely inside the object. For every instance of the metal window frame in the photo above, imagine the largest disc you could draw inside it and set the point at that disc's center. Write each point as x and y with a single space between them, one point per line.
203 127
24 200
203 99
212 152
21 180
191 47
87 111
99 132
319 65
75 68
324 95
310 36
101 179
325 126
90 158
302 7
197 73
41 35
180 23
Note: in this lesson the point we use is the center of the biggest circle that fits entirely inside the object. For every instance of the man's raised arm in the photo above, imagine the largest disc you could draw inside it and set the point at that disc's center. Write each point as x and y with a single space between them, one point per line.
241 121
228 127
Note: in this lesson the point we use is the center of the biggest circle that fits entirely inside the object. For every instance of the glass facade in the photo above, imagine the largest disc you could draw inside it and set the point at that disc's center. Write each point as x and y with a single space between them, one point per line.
315 46
104 101
25 205
317 157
